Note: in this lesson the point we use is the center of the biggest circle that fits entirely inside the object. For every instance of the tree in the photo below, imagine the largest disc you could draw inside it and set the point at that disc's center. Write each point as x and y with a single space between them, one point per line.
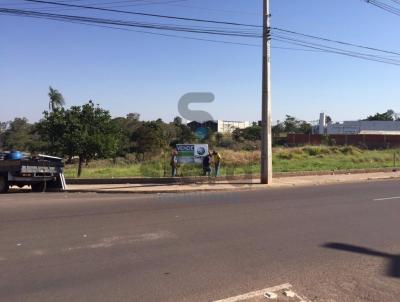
127 126
52 129
56 99
133 116
180 133
85 131
4 126
186 135
3 129
389 115
304 127
293 125
219 137
19 135
237 134
252 133
328 119
278 129
177 121
150 137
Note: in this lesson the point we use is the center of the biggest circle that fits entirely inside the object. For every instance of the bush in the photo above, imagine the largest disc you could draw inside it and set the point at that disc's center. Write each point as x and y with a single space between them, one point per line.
350 150
227 142
312 151
285 155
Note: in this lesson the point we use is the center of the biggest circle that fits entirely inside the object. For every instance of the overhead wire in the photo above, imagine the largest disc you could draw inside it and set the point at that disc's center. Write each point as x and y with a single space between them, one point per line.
113 4
334 41
145 14
340 52
289 38
386 7
160 26
307 42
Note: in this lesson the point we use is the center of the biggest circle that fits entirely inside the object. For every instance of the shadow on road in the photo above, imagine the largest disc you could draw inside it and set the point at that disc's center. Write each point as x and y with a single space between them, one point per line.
394 266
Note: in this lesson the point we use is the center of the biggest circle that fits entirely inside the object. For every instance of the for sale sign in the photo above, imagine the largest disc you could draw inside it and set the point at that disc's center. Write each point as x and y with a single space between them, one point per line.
191 153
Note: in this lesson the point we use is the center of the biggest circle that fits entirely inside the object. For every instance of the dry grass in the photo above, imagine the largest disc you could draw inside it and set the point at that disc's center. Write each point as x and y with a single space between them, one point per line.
308 158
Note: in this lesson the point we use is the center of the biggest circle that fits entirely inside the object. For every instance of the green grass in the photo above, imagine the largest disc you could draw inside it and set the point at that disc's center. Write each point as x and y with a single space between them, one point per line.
308 158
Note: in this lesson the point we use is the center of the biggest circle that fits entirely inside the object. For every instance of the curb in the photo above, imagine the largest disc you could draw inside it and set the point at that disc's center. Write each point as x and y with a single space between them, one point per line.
110 191
248 187
151 180
205 179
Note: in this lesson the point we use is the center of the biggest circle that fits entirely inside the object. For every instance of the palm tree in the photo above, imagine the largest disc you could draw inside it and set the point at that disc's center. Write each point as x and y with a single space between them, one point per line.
56 99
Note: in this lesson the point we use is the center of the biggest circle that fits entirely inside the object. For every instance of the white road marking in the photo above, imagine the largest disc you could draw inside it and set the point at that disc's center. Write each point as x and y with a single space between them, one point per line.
387 198
257 293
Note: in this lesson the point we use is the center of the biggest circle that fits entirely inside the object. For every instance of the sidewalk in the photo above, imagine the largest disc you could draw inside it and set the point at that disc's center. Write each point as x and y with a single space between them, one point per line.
236 185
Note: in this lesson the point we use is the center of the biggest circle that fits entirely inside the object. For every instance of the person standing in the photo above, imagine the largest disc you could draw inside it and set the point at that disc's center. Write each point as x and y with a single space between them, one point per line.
217 162
174 163
207 165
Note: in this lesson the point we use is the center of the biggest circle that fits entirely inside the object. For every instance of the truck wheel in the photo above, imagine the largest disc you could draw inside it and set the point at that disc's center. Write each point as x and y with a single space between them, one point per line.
38 187
3 184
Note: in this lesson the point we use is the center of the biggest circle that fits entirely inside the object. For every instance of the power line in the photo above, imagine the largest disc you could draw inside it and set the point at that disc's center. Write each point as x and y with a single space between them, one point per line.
112 4
283 35
289 38
143 14
222 32
162 34
323 48
335 41
211 9
386 7
169 27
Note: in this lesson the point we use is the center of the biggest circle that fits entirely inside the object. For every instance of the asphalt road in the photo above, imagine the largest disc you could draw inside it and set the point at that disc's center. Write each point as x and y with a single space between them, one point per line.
332 243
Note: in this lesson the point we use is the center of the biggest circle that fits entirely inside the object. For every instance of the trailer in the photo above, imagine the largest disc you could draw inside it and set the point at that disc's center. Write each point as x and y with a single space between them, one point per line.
42 172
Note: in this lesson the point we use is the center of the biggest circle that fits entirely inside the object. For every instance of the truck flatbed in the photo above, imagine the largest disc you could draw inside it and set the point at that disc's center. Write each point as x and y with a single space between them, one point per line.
40 172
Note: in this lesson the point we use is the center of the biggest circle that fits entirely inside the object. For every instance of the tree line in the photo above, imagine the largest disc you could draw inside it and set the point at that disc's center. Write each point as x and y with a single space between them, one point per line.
88 132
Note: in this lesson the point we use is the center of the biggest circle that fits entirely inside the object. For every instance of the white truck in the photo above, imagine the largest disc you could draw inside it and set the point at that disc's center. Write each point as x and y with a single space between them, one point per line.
41 172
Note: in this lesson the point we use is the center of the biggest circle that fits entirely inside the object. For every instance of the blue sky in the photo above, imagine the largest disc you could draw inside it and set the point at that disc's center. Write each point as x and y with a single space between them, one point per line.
133 72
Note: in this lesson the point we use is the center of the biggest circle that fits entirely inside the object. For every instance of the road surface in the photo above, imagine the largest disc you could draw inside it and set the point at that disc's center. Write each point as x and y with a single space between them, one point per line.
333 243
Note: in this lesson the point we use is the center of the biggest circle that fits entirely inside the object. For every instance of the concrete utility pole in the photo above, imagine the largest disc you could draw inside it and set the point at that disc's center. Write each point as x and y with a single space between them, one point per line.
266 133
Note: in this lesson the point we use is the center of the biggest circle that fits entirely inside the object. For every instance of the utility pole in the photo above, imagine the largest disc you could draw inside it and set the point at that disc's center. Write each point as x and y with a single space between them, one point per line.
266 133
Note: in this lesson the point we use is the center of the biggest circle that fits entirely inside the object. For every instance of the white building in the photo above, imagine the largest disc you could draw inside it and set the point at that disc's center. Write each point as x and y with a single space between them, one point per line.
230 126
359 127
364 127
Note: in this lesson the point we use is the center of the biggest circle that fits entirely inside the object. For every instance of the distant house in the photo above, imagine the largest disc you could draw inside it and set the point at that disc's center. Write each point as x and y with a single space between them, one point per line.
219 125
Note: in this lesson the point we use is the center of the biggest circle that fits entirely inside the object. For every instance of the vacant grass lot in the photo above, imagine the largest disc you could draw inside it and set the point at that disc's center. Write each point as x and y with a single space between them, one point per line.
308 158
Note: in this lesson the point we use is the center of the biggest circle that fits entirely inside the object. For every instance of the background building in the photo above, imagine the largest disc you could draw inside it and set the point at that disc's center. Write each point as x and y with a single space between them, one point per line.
364 127
219 125
229 126
358 127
